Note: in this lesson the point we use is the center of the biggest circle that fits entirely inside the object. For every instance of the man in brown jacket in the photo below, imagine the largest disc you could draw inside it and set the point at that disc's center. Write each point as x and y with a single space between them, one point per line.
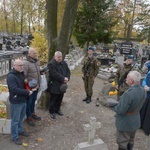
32 71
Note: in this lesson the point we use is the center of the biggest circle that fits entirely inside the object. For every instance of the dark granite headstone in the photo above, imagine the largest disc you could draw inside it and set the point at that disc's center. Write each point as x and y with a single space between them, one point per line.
126 48
1 47
106 61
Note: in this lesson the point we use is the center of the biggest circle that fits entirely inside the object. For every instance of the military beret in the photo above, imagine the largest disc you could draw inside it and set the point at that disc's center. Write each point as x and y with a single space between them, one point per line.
130 57
33 83
91 48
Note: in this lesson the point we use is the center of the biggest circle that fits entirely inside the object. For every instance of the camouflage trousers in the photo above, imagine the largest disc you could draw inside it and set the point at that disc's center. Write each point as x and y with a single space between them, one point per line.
88 85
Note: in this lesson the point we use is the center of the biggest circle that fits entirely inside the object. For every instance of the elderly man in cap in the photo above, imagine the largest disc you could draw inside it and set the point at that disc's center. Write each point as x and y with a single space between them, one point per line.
122 74
90 70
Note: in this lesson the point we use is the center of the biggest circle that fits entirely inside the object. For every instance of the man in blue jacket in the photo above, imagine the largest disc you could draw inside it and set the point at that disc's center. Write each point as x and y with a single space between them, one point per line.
18 98
127 110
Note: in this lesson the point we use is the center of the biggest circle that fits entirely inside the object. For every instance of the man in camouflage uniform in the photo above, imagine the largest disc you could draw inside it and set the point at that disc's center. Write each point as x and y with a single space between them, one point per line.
90 70
122 86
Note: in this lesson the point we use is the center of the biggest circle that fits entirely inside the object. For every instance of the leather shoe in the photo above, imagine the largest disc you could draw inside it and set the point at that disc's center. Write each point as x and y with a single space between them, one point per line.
59 113
17 141
30 121
24 134
88 101
36 117
85 99
53 116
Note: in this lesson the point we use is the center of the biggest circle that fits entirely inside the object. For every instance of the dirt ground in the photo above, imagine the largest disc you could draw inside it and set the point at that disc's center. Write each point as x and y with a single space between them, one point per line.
66 131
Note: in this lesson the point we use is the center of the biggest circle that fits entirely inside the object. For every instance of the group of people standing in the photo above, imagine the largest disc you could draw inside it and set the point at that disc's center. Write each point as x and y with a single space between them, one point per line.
131 97
132 111
24 82
21 97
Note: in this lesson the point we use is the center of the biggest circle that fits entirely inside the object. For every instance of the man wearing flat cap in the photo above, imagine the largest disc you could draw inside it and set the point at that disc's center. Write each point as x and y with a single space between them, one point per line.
122 74
90 70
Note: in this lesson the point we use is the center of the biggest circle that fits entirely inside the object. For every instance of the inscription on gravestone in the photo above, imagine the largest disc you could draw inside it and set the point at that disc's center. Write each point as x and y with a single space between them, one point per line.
126 48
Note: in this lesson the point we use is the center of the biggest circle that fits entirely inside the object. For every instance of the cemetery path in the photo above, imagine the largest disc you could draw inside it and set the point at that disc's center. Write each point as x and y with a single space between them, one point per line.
66 132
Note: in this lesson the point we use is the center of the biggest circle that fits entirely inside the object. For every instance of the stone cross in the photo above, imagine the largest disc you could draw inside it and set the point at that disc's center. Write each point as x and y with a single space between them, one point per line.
91 129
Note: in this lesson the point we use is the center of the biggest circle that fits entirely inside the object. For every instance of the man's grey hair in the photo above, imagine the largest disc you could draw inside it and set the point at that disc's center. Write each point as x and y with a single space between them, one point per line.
58 53
135 75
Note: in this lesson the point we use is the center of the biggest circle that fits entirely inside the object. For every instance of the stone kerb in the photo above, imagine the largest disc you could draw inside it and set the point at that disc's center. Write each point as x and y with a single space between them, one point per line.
5 122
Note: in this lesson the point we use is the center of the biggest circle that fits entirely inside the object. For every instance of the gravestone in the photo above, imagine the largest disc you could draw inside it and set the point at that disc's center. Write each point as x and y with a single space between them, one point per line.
106 61
120 60
1 47
126 48
92 144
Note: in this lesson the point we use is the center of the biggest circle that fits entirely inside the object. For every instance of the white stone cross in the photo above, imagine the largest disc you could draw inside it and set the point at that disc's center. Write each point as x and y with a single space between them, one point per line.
91 129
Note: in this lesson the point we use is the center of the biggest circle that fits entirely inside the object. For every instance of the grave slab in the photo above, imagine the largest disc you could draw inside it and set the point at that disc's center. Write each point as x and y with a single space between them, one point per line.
97 145
5 125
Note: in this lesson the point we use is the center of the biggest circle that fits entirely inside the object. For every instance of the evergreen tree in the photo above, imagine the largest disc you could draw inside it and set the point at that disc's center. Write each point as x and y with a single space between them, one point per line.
94 22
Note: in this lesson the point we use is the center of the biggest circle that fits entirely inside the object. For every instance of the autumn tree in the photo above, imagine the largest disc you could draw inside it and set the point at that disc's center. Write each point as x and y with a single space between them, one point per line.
143 21
129 13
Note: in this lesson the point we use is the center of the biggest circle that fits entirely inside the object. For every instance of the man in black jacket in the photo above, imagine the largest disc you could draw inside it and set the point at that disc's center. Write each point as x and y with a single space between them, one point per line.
59 75
17 97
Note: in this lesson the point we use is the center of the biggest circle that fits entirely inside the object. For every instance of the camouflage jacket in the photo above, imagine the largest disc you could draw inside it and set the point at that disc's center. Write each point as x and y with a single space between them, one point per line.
121 71
90 67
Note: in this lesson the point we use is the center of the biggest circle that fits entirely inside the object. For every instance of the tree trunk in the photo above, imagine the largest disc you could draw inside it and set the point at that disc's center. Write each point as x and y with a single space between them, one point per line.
21 27
29 27
14 24
6 19
51 27
67 25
